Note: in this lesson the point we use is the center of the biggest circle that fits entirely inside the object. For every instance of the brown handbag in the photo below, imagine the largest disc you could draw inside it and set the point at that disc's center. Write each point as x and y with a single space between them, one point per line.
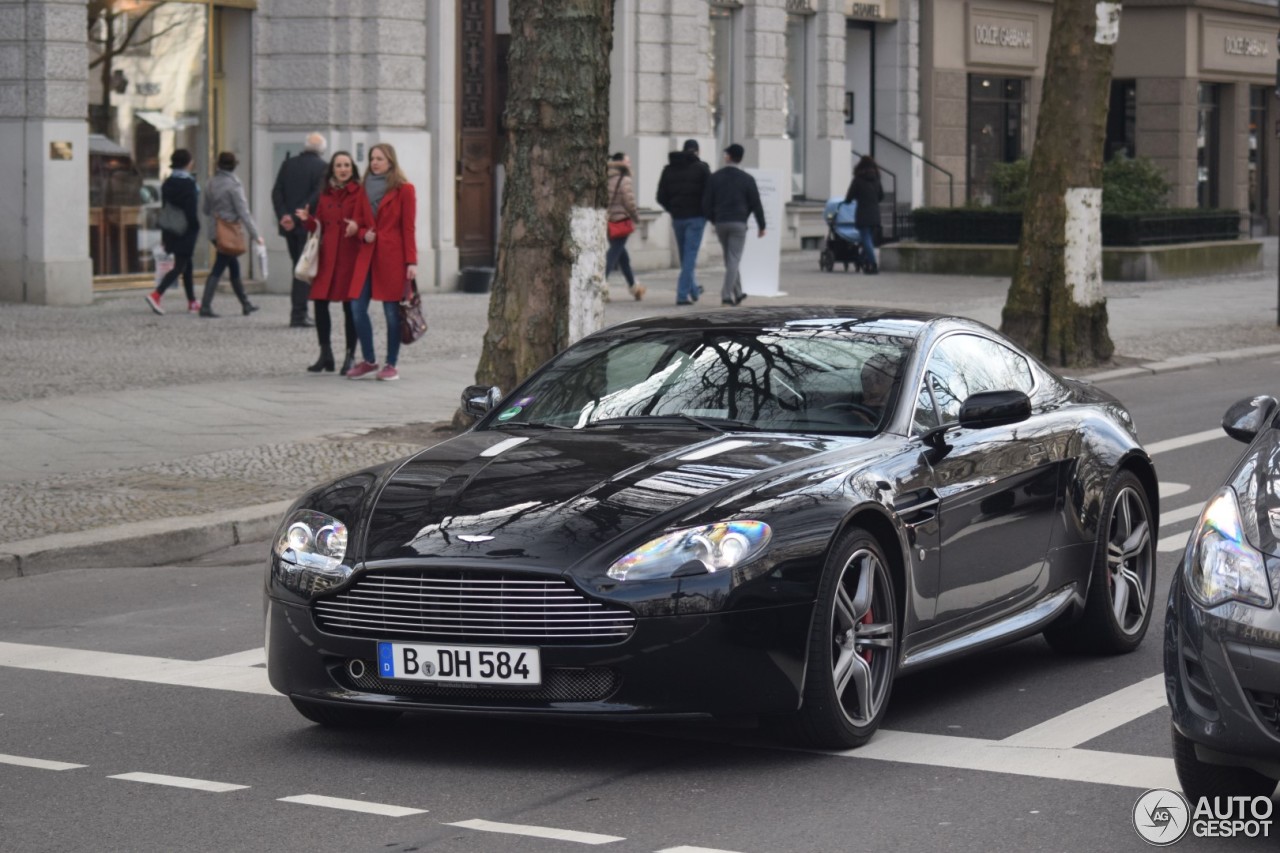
412 324
230 238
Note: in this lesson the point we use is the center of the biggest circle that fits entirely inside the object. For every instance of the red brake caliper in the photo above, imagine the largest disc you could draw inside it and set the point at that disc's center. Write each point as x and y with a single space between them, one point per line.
866 651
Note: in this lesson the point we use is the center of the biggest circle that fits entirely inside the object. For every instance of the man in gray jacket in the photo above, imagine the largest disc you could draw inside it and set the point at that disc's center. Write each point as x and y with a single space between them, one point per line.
299 184
732 196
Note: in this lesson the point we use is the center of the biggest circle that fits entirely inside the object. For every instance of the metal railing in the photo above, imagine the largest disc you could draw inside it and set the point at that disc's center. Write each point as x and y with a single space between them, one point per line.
951 180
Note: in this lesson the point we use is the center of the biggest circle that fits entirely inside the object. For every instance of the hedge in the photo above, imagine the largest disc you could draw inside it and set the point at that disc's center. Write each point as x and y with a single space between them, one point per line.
1004 227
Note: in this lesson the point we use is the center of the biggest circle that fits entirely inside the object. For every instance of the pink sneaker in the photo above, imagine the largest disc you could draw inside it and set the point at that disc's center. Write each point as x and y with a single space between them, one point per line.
153 302
362 370
388 373
193 307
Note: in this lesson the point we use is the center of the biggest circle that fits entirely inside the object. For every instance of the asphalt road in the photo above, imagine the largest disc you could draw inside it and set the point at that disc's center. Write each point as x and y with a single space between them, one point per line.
94 691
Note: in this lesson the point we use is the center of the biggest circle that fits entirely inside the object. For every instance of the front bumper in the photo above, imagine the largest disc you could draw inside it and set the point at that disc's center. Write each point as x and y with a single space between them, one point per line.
749 661
1222 677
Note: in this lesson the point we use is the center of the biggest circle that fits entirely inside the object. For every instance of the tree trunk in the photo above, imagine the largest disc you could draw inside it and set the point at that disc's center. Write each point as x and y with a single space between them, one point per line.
1056 307
549 286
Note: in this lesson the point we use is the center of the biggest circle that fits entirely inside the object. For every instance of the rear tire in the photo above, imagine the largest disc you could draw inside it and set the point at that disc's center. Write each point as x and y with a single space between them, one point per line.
344 717
853 648
826 261
1199 779
1122 587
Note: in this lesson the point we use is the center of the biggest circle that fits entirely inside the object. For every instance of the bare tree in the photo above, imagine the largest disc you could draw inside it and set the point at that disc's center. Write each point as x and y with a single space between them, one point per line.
1055 306
549 285
116 26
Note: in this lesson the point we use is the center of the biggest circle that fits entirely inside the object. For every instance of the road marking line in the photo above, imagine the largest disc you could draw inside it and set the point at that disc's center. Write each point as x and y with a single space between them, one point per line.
1177 515
688 849
1184 441
38 763
180 782
538 831
352 805
1168 490
252 657
1094 719
182 673
1176 542
1073 765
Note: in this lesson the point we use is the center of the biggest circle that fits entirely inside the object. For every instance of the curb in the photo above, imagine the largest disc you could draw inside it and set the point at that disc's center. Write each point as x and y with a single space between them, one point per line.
152 543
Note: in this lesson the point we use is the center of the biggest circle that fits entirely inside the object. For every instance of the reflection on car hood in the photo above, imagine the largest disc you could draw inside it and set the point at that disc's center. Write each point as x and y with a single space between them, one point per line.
550 497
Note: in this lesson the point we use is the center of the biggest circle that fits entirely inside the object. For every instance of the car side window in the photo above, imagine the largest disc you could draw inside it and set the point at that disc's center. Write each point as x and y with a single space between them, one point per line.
961 365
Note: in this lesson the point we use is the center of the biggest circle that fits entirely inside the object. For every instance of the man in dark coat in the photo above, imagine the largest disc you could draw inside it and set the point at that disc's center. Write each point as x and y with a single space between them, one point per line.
680 189
298 184
731 197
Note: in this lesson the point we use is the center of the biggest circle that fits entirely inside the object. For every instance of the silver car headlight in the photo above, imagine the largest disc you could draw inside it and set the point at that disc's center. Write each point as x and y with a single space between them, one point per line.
694 550
1221 565
311 546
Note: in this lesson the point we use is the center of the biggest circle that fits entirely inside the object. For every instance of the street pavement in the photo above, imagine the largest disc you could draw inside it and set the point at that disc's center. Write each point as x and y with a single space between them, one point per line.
130 439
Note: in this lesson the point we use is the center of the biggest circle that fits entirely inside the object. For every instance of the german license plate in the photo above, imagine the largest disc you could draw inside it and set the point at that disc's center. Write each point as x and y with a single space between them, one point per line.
508 665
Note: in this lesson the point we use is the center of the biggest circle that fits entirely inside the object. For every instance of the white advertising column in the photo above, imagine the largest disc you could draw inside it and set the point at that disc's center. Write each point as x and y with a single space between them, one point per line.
762 256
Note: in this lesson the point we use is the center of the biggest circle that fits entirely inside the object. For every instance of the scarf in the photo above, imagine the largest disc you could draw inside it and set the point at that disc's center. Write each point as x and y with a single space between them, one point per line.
375 186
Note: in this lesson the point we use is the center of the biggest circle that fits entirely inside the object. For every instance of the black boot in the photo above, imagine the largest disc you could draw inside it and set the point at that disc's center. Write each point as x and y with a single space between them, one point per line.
347 361
324 362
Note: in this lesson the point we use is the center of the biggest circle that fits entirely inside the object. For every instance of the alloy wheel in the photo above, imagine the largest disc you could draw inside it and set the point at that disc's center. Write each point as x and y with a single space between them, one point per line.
863 637
1130 562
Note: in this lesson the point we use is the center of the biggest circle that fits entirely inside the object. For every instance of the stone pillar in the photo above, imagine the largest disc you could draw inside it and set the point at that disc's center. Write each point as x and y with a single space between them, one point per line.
44 198
764 58
441 52
358 78
1165 131
830 161
1233 162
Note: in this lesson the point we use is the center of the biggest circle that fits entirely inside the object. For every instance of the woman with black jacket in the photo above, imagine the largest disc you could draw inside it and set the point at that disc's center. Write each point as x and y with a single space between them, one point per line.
179 192
867 192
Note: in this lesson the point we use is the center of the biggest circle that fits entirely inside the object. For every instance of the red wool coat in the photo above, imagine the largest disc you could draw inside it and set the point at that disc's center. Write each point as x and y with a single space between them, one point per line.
338 253
395 246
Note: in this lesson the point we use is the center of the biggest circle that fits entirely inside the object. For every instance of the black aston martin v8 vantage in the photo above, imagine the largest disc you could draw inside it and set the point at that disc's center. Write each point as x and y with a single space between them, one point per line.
764 511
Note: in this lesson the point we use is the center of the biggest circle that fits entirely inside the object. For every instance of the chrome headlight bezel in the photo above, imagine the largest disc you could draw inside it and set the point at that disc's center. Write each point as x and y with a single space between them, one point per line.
310 548
1221 564
708 548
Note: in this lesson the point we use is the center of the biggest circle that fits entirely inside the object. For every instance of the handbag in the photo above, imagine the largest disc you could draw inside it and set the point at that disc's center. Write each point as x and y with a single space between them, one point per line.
621 228
172 219
412 324
309 261
230 238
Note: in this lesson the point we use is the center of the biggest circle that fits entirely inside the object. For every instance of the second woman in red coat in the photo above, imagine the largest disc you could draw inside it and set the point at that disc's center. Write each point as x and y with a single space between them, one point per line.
388 259
341 211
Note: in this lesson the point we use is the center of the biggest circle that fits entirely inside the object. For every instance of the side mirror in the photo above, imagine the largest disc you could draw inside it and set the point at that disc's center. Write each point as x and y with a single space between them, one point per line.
479 400
994 408
1246 417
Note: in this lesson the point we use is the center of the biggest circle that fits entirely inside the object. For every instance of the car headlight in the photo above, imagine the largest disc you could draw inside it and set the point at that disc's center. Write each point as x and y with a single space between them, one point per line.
1221 565
311 546
695 550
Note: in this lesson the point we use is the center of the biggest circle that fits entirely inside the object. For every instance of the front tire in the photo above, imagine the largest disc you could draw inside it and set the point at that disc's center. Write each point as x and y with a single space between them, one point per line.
1199 779
1122 587
853 647
342 716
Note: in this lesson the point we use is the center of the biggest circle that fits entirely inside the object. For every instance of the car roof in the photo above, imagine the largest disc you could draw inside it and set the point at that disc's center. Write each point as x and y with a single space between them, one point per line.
862 318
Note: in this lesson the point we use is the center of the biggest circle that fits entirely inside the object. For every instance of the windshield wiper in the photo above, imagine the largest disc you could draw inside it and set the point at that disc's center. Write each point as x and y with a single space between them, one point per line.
716 424
528 425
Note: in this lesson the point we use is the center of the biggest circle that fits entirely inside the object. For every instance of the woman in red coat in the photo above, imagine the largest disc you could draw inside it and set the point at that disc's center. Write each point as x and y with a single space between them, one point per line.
388 259
341 211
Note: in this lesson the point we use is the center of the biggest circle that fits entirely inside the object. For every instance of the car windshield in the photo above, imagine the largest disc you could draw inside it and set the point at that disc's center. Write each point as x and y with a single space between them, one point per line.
793 379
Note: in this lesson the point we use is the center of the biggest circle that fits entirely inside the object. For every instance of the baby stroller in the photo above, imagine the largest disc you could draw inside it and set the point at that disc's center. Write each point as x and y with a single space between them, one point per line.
843 242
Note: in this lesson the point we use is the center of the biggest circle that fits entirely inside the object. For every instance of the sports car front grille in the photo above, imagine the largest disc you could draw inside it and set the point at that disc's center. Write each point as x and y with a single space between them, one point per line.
470 606
559 684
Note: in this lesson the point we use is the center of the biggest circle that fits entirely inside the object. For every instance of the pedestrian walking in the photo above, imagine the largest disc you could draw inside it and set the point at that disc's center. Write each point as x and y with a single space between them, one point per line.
866 190
730 198
341 211
179 228
388 259
224 200
299 184
622 221
680 189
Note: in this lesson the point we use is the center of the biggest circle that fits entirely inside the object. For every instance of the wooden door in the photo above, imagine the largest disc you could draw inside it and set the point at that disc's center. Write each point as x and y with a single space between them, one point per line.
479 109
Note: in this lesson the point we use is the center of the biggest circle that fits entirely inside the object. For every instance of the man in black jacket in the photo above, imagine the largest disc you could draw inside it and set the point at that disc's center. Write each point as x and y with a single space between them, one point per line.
732 196
299 183
680 189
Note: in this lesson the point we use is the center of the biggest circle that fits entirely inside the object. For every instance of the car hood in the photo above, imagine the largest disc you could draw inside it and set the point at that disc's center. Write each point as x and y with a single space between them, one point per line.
550 498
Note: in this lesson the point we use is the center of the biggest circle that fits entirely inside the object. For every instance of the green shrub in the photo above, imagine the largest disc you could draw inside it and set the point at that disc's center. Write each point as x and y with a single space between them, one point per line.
1009 184
1130 186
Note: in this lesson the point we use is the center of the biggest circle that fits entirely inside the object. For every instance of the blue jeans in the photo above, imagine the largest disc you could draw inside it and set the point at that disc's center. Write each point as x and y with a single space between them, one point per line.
618 258
364 325
867 236
688 241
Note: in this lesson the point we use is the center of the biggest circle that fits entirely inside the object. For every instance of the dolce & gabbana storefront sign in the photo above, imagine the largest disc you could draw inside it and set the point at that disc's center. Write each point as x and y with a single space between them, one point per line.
1001 38
1237 48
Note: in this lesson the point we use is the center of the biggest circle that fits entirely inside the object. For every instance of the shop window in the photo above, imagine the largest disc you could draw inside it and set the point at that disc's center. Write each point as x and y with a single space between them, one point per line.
796 85
722 82
996 108
1210 97
1121 119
